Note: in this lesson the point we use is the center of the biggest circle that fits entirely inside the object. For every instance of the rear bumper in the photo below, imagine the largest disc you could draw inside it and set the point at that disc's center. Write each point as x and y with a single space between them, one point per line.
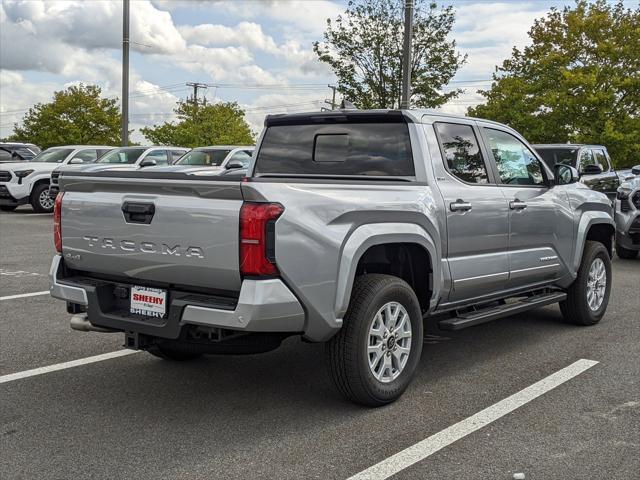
262 306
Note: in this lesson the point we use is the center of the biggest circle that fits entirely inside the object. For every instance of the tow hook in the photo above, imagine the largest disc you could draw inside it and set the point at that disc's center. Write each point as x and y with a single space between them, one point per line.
81 323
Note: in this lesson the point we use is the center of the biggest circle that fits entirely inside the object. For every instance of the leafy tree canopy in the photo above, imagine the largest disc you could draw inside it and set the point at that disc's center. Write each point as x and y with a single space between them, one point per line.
579 80
198 125
364 48
77 115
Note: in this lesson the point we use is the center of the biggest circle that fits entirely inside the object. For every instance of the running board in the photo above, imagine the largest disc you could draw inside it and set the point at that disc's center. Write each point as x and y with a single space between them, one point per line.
477 317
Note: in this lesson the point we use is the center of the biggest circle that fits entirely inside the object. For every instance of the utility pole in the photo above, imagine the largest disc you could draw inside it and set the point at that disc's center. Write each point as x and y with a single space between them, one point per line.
196 86
125 73
406 54
333 98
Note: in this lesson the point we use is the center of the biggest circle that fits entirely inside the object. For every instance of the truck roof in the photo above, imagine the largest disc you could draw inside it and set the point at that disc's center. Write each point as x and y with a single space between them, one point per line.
565 145
416 115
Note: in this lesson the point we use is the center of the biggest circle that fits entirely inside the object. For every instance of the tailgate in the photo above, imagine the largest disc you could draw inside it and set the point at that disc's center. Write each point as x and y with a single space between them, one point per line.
168 228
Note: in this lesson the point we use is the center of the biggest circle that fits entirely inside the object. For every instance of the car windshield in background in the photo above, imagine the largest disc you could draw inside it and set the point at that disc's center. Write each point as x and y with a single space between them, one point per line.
210 158
122 156
371 149
564 156
52 156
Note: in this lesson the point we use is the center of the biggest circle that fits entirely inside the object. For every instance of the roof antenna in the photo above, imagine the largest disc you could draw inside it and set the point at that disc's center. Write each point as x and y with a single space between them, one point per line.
347 105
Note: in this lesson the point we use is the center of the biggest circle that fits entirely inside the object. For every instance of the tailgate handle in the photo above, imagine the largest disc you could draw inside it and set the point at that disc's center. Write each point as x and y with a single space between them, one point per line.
138 212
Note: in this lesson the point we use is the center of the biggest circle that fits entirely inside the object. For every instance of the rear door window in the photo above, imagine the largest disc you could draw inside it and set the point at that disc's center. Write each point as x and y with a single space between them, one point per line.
462 153
352 149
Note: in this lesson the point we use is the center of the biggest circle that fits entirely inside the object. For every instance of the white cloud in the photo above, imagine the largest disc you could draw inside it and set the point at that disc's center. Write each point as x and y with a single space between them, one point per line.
247 34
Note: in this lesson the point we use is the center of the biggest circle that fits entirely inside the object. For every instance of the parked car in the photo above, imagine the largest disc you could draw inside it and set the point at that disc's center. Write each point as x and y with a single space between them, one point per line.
219 157
349 229
28 182
592 162
628 216
140 157
17 152
55 173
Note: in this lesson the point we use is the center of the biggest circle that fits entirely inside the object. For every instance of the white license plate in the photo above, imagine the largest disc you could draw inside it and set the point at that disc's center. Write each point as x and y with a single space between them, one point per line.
148 301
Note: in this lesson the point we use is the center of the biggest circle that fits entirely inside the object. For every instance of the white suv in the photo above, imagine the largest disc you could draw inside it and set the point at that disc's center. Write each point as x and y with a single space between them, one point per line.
28 182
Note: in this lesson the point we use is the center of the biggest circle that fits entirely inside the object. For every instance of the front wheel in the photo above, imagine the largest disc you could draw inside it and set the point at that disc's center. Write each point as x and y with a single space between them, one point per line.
40 199
588 296
373 357
625 253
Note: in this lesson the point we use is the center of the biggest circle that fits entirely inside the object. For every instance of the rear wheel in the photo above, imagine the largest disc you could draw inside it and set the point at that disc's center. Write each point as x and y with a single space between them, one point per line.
588 296
8 208
40 199
373 357
178 353
625 253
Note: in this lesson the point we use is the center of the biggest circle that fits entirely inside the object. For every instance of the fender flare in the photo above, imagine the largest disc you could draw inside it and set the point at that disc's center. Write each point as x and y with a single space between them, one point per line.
587 220
368 235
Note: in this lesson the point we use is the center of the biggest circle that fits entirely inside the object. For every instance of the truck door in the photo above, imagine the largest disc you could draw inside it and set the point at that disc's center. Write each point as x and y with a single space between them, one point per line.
540 217
476 213
608 181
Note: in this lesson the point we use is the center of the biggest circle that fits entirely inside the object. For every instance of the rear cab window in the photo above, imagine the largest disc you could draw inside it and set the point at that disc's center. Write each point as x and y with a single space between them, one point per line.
461 152
336 146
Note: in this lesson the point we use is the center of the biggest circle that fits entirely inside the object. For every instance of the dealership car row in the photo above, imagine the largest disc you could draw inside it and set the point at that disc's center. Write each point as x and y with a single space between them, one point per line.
29 176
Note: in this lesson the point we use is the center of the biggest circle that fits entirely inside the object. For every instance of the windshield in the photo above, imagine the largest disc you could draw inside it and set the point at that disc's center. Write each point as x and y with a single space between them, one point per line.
565 156
122 156
52 155
211 158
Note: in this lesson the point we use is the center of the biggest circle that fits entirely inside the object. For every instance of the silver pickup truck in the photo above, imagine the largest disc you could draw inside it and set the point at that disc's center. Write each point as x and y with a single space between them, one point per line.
350 228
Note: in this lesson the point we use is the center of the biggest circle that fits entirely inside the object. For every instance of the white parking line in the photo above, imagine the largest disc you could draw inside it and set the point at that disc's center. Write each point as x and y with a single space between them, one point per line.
438 441
24 295
63 366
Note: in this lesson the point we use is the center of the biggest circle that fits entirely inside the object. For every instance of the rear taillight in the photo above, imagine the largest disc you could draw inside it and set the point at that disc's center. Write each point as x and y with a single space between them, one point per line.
57 223
257 238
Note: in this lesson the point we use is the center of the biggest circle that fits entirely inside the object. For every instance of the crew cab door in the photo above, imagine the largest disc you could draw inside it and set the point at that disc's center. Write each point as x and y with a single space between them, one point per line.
476 213
540 217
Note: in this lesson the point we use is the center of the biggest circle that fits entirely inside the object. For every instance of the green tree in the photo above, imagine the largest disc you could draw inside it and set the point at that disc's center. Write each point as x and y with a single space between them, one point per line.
364 48
578 81
77 115
198 125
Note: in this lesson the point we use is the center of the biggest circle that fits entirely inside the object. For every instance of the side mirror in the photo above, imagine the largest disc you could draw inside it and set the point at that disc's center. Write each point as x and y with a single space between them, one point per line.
148 162
636 170
75 161
233 164
592 170
565 174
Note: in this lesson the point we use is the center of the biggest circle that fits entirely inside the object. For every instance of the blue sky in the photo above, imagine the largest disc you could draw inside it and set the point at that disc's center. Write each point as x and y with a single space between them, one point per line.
257 52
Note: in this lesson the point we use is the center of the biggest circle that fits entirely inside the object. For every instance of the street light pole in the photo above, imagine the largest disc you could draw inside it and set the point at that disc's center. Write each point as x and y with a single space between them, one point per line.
125 73
406 54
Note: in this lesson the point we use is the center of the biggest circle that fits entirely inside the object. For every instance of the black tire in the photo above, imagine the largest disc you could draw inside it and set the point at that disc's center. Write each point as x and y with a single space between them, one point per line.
36 197
175 353
8 208
346 353
575 309
625 253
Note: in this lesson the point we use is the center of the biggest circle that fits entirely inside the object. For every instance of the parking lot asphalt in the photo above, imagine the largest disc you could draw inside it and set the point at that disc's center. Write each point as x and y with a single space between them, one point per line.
276 415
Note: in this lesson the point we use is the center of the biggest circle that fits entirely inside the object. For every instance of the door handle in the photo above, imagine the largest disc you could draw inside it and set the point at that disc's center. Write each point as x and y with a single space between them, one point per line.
460 206
517 205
